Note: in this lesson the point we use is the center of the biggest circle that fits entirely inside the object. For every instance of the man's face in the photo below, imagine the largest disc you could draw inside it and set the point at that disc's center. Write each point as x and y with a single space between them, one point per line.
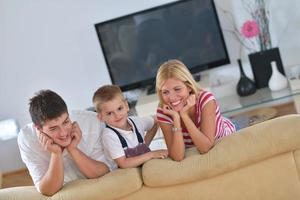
58 129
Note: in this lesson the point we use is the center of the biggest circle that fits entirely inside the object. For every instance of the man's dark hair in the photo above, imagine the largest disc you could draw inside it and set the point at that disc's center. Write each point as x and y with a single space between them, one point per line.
46 105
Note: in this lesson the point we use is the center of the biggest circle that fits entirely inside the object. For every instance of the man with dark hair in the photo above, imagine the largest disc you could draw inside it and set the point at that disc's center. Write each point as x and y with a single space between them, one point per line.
54 148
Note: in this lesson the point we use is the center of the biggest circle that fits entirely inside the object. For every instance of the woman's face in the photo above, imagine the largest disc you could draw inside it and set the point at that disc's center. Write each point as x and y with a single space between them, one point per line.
175 93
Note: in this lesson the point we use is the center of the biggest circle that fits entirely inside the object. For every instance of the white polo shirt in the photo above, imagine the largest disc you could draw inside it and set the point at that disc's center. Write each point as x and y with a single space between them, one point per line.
37 159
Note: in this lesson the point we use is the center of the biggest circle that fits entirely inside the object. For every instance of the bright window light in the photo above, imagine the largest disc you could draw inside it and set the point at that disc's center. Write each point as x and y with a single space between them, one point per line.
8 129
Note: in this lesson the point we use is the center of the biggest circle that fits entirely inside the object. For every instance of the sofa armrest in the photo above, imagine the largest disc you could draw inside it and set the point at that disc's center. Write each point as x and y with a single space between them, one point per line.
249 145
113 185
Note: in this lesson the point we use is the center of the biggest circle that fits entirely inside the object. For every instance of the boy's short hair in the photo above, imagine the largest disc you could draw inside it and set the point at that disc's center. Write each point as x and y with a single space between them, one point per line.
46 105
106 93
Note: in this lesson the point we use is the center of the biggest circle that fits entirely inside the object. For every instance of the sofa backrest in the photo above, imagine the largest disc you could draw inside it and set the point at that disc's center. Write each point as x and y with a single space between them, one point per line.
245 147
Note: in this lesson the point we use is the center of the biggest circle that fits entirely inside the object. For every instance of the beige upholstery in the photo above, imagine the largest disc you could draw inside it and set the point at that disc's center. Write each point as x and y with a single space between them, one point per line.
259 162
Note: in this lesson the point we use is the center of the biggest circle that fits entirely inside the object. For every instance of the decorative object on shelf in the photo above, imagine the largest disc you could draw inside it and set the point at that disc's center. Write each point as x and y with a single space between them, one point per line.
261 65
254 35
261 56
245 85
277 80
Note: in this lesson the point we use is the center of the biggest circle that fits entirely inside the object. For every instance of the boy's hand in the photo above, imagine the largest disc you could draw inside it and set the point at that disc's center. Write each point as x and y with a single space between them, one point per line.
76 135
48 144
162 153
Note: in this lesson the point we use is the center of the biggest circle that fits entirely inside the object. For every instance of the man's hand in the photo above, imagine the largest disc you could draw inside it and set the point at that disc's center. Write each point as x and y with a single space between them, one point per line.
48 144
76 135
190 102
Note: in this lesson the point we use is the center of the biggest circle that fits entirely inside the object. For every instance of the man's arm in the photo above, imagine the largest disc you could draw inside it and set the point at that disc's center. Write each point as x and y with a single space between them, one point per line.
89 167
53 180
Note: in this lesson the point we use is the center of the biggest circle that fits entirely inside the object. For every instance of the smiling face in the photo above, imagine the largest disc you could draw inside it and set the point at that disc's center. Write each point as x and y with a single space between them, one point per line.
58 129
114 112
175 93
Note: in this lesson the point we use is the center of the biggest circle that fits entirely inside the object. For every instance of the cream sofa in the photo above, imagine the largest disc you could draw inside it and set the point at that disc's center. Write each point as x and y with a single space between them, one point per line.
0 180
258 162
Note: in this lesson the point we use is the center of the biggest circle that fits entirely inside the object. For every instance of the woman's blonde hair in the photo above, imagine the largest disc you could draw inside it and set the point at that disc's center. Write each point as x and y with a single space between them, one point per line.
177 70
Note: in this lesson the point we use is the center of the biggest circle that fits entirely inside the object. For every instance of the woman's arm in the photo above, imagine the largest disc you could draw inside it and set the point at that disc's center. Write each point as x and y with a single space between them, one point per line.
203 137
173 138
174 141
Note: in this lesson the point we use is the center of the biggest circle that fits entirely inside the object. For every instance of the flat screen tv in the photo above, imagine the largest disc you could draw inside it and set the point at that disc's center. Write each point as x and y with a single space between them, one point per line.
135 45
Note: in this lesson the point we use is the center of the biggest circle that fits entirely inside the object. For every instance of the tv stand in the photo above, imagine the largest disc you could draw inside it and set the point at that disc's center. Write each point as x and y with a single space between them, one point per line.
151 89
197 77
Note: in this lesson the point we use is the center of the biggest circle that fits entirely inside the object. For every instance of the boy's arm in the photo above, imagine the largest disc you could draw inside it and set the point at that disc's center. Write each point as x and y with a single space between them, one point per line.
89 167
136 161
151 133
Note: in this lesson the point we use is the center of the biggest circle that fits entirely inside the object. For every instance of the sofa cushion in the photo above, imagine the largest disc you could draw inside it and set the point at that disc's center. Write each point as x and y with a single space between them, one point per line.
113 185
297 160
248 146
271 179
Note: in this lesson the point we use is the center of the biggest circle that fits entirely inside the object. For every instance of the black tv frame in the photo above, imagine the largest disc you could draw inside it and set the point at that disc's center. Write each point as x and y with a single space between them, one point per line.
150 83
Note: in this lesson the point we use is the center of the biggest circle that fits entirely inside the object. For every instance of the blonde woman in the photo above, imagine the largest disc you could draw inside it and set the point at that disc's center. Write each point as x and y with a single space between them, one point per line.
188 115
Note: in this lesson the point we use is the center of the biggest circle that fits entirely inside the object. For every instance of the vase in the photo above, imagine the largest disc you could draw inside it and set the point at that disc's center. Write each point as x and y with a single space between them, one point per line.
245 85
277 80
261 67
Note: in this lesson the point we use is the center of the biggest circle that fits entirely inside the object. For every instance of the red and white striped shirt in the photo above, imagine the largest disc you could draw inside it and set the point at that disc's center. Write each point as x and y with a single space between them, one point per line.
223 125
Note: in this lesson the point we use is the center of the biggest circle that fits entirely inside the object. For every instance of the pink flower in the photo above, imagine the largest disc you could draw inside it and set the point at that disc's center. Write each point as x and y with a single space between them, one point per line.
250 29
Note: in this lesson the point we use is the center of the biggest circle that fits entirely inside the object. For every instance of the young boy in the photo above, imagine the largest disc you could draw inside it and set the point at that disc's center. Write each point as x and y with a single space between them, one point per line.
124 138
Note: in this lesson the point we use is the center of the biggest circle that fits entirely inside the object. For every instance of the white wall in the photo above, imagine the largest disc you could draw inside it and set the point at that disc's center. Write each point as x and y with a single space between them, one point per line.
53 44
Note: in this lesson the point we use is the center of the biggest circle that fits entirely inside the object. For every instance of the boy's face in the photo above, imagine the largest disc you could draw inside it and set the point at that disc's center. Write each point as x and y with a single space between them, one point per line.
58 129
114 112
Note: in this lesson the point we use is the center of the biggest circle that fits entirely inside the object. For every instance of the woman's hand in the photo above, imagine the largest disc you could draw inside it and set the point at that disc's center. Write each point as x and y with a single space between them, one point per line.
168 110
190 102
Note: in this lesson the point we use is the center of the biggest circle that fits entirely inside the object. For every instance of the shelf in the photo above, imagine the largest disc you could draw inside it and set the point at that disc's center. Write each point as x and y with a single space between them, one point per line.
232 104
262 97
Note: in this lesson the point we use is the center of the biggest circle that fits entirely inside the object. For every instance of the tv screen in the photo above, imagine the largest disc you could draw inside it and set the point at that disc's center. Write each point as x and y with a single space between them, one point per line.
135 45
